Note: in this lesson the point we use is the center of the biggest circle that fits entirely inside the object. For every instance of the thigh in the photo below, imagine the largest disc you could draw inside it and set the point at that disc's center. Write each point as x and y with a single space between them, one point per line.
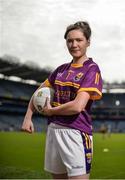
53 161
75 150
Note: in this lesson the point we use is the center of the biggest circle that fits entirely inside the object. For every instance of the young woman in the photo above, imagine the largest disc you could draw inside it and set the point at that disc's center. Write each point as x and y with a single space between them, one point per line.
76 84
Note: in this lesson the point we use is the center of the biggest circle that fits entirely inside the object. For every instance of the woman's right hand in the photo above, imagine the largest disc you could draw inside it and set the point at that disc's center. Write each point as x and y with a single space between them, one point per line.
27 125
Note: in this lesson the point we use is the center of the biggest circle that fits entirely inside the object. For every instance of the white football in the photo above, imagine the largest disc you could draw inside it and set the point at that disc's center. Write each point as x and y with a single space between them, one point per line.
39 97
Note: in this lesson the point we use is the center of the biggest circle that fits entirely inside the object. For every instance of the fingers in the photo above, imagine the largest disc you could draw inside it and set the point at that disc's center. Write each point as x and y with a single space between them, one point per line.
28 128
46 102
46 108
32 128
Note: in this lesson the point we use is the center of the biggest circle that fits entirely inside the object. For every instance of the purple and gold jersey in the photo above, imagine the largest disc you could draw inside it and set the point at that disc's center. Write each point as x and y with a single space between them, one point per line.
70 79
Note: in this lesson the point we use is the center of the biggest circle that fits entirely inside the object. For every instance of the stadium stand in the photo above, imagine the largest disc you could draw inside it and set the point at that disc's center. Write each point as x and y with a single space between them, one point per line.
14 98
11 67
16 89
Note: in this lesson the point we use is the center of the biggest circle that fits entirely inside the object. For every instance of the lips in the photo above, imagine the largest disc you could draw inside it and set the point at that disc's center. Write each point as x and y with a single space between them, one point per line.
74 50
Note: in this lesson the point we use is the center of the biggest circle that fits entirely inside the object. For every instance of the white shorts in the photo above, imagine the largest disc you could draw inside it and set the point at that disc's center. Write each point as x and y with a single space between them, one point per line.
67 151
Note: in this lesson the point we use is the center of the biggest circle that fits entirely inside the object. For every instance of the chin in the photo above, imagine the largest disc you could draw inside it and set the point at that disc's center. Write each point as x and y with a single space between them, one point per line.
76 55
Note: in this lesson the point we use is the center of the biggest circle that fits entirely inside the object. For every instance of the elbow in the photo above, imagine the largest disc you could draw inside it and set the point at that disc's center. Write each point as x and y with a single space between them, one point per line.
78 109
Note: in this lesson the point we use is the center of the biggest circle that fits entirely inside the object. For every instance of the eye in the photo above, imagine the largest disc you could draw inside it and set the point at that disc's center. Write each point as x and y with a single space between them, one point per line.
69 41
79 40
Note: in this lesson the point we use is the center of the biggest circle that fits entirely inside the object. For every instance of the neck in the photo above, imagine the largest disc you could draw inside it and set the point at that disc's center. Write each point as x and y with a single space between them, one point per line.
80 60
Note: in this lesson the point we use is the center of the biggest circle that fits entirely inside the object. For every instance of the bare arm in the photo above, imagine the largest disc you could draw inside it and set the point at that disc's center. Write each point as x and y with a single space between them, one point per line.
69 108
27 123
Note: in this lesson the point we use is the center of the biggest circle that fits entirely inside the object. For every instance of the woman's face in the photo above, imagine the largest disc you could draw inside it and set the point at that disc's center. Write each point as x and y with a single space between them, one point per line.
77 43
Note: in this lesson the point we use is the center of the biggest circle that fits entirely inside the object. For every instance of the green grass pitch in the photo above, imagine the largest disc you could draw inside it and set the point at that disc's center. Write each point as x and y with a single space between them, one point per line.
22 156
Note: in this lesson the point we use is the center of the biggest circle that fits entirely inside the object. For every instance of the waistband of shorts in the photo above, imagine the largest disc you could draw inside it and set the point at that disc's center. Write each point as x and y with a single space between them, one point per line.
58 126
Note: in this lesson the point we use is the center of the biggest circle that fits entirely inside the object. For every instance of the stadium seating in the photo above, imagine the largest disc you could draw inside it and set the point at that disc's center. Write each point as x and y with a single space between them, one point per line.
14 98
16 89
112 100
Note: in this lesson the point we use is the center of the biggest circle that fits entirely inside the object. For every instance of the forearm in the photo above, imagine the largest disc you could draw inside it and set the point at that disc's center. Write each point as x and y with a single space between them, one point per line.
73 107
69 108
27 123
30 110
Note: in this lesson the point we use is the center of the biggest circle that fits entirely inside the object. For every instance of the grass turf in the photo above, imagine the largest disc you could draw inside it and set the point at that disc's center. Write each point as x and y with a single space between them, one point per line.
22 156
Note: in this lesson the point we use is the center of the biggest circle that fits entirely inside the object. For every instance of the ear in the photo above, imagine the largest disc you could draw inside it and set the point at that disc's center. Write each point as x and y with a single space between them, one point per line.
88 42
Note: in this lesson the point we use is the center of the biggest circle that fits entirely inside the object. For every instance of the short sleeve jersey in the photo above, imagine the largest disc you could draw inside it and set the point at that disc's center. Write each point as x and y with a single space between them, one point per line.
68 80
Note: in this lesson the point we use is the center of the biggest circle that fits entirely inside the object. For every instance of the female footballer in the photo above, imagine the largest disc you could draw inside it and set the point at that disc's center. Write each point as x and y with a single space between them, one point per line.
76 84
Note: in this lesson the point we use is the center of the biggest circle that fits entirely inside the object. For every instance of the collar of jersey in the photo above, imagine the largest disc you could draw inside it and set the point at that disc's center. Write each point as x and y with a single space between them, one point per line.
76 65
79 65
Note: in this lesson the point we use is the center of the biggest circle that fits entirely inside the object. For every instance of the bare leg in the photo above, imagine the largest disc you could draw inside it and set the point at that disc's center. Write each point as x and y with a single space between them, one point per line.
59 176
84 176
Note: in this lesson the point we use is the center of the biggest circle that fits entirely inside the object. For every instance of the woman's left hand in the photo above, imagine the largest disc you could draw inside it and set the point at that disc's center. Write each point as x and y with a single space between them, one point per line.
47 108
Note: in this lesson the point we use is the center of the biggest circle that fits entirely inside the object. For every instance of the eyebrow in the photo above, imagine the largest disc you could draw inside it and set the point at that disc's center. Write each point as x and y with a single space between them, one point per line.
80 38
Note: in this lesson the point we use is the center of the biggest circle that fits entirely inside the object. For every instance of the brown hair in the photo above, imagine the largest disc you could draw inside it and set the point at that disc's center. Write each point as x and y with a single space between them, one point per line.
83 26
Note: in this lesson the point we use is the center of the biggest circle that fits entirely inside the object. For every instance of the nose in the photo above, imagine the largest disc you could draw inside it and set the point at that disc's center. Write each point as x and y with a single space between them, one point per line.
74 43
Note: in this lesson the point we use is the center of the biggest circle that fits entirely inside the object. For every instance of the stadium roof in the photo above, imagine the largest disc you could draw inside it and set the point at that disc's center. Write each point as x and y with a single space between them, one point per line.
30 71
10 66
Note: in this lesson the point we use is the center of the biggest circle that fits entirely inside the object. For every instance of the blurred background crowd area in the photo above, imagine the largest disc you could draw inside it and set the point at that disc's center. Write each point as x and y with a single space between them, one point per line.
18 81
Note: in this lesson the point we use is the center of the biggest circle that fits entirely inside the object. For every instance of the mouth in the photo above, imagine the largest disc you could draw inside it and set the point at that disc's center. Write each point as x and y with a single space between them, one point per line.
74 50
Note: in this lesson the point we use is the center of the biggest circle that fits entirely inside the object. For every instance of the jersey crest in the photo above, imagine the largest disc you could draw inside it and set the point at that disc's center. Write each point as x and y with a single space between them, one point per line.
78 76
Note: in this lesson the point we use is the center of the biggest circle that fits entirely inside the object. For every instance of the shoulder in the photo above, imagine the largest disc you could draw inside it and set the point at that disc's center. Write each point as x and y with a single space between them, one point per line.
63 66
93 66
